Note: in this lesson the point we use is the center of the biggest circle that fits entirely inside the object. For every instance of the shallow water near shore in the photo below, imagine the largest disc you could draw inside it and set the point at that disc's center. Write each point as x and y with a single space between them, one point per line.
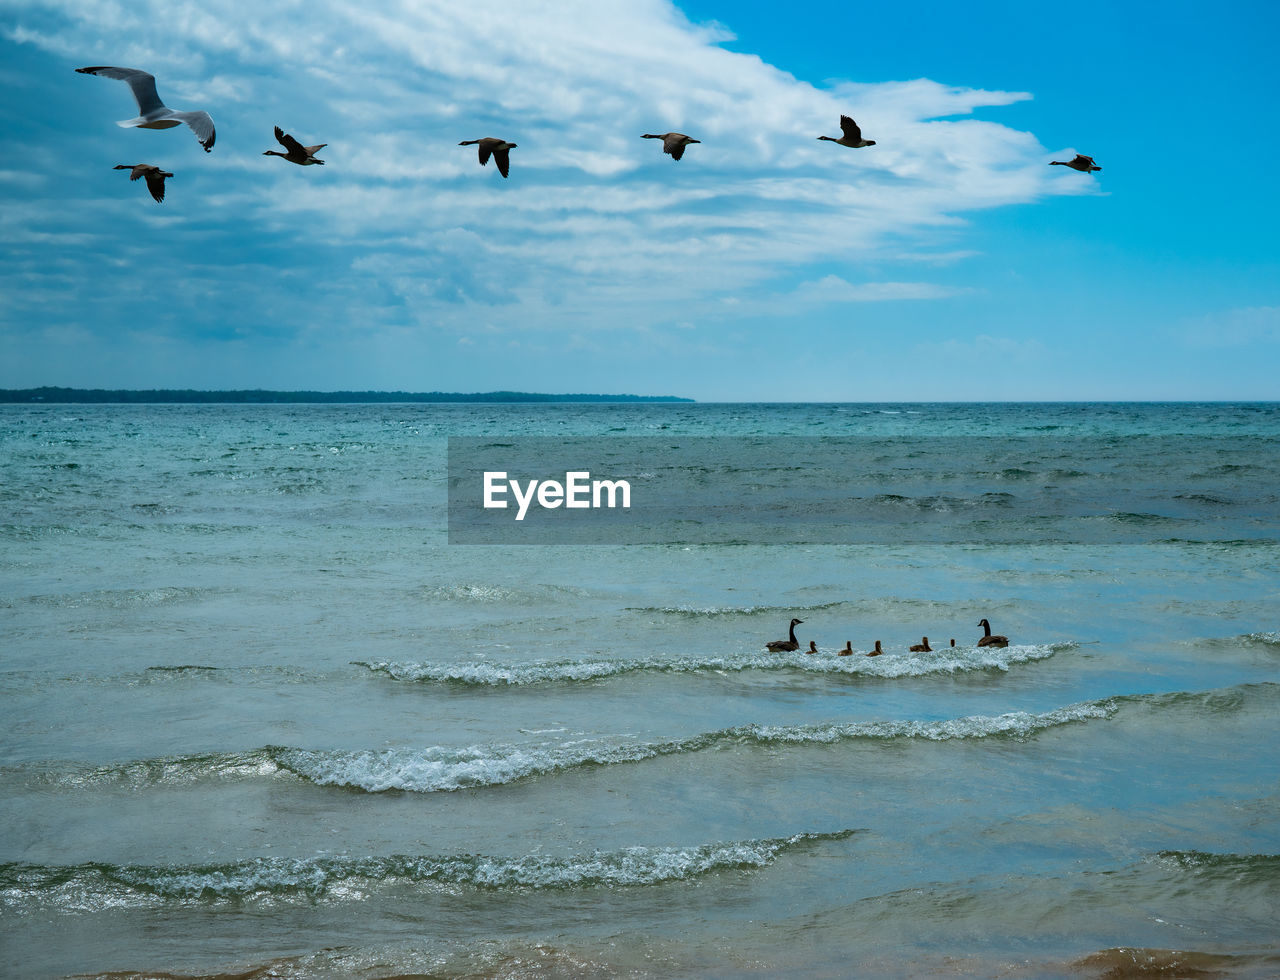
261 719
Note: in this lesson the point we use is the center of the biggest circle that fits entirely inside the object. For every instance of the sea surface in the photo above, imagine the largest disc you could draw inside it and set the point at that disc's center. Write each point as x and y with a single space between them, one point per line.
258 717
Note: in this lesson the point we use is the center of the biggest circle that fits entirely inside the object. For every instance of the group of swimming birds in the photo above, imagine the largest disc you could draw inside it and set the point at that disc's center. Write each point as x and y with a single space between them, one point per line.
791 644
154 114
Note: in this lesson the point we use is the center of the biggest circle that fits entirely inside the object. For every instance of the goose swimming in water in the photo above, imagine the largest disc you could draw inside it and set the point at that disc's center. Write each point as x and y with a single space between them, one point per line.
673 143
1081 162
876 652
848 649
922 646
988 640
299 154
152 113
498 149
813 647
155 177
786 646
851 135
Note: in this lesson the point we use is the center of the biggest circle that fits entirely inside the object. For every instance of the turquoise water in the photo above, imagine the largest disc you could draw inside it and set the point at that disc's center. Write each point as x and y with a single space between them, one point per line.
258 714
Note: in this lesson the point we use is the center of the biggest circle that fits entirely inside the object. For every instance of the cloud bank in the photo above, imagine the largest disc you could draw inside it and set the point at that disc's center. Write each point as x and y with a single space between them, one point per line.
403 239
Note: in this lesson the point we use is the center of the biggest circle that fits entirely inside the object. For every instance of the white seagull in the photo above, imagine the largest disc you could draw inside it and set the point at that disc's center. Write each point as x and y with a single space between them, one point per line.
152 113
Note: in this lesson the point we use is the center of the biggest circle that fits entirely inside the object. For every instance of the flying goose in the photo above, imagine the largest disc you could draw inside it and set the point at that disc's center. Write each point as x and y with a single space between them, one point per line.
852 135
495 147
673 143
922 646
299 154
1081 162
991 641
155 177
786 646
152 113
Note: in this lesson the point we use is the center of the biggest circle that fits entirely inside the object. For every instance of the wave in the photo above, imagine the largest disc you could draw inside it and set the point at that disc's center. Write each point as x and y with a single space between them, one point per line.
1141 518
508 595
1124 962
448 768
1259 640
445 769
95 885
168 771
122 598
182 668
945 661
701 612
1243 869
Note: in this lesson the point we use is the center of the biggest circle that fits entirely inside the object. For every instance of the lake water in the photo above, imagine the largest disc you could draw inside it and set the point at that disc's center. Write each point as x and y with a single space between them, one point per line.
260 717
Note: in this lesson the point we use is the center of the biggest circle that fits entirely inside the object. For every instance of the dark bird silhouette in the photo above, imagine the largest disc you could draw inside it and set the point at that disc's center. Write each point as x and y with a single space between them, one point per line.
152 113
673 143
922 646
876 652
498 149
851 135
988 640
786 646
297 153
1081 162
154 175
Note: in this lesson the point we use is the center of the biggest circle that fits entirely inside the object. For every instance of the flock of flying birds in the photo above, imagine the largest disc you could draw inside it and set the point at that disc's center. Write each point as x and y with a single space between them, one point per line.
154 114
791 644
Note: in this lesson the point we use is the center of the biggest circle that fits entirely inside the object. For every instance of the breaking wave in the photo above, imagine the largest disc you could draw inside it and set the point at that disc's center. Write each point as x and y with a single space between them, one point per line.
945 661
97 885
445 769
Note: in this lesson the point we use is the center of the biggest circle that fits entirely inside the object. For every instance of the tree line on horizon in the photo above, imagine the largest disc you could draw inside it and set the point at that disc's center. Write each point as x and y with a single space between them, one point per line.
261 396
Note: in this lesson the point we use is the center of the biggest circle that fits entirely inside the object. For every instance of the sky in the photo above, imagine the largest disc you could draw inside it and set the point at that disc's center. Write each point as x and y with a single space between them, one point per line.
949 262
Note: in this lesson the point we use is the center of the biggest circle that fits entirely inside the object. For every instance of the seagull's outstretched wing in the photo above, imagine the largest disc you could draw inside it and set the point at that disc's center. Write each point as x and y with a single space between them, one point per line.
140 82
201 124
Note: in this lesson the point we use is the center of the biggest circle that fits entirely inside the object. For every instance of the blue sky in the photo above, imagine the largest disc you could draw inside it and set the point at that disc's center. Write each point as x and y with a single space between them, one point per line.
948 262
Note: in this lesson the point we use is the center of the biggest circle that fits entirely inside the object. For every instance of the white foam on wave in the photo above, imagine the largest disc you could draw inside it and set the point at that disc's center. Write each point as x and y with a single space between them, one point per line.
98 886
1015 724
439 769
892 664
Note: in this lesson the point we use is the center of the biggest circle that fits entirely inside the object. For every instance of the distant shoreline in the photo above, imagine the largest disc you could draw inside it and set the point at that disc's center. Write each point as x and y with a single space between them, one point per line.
258 396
